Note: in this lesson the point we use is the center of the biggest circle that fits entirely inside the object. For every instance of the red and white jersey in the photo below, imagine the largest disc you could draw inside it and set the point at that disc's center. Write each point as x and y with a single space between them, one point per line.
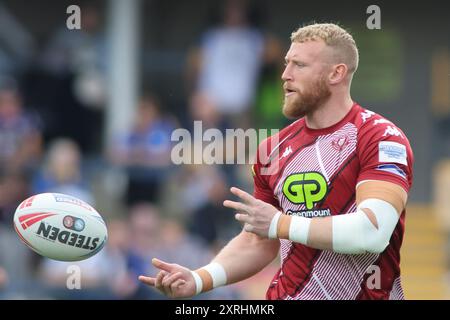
314 173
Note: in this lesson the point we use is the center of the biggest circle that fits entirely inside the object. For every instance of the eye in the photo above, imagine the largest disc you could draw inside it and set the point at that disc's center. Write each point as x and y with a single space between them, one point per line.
300 64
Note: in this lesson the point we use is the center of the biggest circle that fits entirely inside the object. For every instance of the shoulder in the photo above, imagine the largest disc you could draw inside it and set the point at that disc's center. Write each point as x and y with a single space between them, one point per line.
372 125
375 132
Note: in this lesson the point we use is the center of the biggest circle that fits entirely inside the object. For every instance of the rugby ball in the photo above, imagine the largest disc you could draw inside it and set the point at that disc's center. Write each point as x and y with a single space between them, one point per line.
60 227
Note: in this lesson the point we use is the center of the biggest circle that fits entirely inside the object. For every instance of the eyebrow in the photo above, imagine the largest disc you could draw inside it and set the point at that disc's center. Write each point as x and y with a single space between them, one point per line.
286 59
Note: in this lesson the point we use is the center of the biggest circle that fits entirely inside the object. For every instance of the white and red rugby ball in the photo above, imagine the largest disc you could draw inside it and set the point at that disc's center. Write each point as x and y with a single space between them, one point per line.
60 227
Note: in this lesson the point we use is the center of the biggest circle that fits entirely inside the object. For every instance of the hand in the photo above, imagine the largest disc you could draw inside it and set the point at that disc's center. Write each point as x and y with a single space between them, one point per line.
173 280
256 214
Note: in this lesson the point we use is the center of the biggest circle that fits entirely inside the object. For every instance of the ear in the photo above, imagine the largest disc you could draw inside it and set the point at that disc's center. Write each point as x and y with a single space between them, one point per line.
338 74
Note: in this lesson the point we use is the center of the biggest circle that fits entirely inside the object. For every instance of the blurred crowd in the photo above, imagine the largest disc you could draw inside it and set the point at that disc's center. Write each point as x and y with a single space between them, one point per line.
52 102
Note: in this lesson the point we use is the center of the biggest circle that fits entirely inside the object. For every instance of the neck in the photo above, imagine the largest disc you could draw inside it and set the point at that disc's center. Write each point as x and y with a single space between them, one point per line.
330 113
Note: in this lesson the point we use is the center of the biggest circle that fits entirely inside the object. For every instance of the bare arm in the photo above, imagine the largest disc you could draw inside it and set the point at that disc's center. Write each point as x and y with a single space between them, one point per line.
246 255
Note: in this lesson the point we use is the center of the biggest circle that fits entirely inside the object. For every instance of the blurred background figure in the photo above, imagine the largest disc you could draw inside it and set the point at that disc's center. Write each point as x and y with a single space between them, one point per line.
14 188
96 276
121 282
17 45
104 276
227 61
269 90
203 108
144 152
20 151
194 196
20 136
17 265
84 55
69 79
62 172
145 229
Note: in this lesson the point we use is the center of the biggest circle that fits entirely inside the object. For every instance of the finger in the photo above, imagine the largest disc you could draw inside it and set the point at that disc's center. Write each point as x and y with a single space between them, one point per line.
147 280
158 282
169 279
174 286
238 206
162 265
248 227
159 279
248 198
245 218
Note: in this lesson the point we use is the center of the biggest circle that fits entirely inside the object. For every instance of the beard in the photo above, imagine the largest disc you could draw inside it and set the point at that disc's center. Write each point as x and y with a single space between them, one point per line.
307 101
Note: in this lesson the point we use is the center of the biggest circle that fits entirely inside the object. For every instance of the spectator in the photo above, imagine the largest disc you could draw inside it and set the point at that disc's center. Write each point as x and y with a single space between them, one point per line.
122 282
145 151
17 263
194 196
226 64
95 276
202 108
62 172
82 53
180 246
211 221
17 45
103 276
269 91
68 83
20 137
145 229
14 188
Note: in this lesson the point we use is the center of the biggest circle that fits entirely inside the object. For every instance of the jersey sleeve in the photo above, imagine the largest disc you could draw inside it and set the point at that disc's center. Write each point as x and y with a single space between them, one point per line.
385 154
262 190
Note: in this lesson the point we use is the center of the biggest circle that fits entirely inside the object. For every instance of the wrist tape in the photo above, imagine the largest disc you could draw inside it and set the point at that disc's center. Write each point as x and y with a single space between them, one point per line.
209 277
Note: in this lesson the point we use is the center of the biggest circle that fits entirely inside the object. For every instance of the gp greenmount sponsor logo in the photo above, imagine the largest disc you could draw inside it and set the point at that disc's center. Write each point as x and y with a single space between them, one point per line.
306 188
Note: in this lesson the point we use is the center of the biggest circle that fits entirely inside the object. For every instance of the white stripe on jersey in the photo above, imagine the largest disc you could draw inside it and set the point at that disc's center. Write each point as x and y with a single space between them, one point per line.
319 158
397 290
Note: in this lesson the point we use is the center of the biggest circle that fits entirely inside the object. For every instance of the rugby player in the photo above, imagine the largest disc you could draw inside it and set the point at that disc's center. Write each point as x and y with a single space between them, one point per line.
333 207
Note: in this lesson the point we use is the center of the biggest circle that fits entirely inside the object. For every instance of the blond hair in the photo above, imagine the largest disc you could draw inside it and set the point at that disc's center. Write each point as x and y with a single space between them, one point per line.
342 42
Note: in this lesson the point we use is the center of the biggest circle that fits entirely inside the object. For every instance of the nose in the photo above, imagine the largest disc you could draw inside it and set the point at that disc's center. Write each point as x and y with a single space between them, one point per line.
286 75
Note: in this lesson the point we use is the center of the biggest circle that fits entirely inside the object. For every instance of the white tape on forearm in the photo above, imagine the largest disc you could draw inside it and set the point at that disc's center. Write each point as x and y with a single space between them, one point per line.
198 282
217 273
273 226
299 229
354 233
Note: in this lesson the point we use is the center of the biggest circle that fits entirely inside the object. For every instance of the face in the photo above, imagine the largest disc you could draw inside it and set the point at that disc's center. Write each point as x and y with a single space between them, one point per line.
305 81
9 104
